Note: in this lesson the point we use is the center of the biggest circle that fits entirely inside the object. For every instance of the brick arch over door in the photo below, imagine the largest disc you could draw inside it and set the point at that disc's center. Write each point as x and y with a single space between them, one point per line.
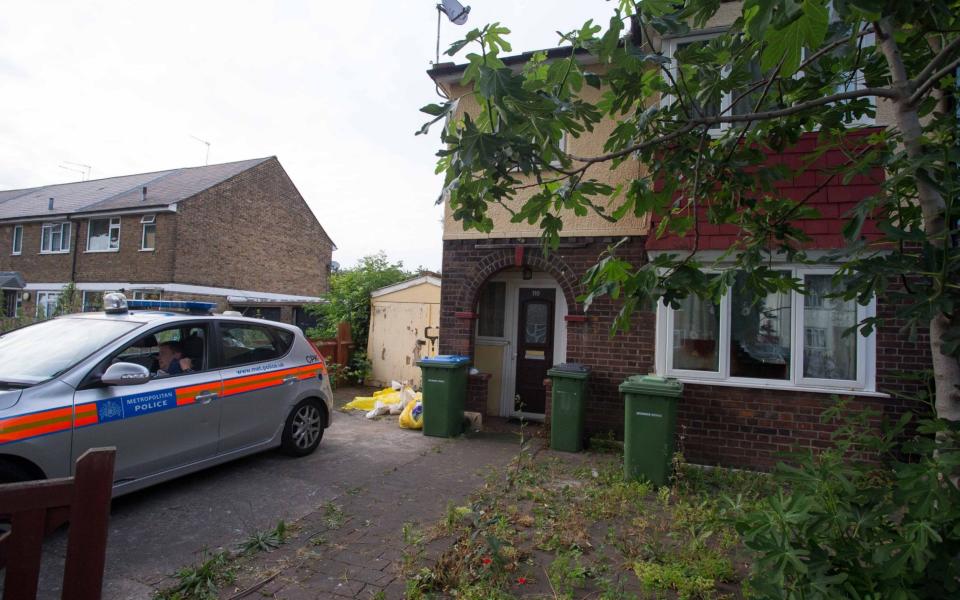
494 263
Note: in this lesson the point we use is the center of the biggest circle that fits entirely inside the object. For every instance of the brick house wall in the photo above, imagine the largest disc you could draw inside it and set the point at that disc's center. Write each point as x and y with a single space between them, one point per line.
253 231
717 424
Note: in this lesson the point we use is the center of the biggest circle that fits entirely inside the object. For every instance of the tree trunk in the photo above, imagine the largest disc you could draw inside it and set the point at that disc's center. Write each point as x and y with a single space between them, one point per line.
946 369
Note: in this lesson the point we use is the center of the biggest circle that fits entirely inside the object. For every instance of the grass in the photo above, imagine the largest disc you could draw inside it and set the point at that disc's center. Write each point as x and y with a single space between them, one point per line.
569 527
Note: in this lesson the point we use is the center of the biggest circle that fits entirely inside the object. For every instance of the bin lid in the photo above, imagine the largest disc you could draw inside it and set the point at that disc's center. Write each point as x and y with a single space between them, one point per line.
569 370
652 385
447 361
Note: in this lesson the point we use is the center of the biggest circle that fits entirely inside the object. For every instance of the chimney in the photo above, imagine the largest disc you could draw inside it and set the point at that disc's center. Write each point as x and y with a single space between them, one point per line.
143 194
50 204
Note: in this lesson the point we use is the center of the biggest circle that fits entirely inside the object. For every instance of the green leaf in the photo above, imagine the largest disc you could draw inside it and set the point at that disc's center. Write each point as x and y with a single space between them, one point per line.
786 44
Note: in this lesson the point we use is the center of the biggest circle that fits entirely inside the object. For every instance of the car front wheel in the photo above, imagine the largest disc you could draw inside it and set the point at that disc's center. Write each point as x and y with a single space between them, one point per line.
304 428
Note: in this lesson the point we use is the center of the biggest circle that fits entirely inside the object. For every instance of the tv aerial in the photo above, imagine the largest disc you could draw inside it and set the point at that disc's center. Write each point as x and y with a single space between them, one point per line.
207 161
83 169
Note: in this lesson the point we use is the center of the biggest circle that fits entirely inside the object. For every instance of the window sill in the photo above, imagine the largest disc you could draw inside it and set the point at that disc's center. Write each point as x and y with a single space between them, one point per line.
148 249
101 251
54 252
16 253
787 387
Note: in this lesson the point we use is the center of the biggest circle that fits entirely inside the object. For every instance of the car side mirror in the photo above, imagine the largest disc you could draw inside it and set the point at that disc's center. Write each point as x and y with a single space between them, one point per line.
124 373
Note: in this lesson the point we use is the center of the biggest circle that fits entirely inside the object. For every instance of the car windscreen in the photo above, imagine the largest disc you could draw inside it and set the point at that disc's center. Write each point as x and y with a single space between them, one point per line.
42 351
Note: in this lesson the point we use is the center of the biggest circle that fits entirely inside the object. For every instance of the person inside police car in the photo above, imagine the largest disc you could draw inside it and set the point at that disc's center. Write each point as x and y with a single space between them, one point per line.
172 361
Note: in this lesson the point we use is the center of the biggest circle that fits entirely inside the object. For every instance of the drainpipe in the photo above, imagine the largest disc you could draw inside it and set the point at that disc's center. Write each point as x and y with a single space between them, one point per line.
76 238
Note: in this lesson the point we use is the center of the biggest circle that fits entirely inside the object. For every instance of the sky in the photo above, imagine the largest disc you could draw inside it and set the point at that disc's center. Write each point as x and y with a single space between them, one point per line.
331 89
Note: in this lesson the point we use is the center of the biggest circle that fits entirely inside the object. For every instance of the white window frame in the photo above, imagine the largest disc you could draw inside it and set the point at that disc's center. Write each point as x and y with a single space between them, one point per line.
65 235
89 293
864 384
45 295
113 223
139 294
148 221
669 49
17 249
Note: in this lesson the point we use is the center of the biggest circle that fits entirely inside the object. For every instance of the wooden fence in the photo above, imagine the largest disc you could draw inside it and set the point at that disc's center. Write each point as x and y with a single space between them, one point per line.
34 509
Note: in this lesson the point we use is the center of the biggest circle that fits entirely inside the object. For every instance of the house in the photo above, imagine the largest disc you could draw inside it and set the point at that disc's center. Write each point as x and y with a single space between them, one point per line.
404 327
756 381
238 234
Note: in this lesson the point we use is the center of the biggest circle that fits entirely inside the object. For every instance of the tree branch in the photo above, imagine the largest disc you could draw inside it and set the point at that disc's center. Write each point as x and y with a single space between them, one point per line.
932 80
692 124
941 56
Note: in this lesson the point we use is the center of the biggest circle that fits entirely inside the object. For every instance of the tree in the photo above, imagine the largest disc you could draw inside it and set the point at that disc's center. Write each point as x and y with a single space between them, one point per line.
790 67
349 296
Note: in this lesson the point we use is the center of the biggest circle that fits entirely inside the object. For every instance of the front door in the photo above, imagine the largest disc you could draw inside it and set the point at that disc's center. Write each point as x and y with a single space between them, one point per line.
534 348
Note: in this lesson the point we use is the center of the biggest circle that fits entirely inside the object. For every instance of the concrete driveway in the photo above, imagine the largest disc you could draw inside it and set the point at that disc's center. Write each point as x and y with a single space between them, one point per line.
156 531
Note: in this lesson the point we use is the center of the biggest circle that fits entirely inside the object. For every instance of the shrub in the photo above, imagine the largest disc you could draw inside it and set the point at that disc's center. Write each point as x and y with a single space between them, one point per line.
870 517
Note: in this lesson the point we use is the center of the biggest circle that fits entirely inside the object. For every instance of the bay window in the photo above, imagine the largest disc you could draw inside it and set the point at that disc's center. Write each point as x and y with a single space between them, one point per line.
780 340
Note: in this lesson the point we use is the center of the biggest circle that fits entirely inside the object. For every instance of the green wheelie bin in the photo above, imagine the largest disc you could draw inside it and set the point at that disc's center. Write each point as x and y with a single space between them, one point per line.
444 393
650 420
569 389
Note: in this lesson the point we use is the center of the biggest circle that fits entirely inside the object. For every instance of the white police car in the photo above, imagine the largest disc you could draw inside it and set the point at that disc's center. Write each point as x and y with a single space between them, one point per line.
174 392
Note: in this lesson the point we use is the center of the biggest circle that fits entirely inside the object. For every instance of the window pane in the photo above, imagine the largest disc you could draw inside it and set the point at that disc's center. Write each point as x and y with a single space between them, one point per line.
99 235
17 239
696 329
827 353
244 344
747 103
759 333
491 309
55 239
64 237
38 352
149 237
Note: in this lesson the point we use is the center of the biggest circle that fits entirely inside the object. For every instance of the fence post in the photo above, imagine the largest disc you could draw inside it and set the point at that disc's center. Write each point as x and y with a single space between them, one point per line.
89 523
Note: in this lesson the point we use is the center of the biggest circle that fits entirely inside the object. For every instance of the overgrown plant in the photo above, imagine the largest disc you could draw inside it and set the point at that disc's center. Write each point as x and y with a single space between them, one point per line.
790 67
870 517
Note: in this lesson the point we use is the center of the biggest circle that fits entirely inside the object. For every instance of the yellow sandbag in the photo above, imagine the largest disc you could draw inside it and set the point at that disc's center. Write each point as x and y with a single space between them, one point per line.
412 415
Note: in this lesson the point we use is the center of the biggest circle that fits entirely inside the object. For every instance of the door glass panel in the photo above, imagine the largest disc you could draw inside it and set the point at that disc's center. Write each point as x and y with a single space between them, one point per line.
536 323
696 329
827 353
759 333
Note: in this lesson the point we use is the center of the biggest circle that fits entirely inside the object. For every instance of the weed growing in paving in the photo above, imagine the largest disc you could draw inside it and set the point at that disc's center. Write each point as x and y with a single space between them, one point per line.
333 516
202 581
265 541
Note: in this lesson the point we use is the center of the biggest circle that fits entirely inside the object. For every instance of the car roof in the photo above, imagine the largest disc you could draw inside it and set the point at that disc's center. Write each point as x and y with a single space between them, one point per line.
159 316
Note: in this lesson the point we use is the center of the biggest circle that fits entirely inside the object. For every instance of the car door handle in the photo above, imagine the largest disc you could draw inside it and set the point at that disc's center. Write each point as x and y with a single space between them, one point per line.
289 379
206 397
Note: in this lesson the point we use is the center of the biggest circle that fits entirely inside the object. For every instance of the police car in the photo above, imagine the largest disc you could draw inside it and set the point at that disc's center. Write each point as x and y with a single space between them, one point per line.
172 386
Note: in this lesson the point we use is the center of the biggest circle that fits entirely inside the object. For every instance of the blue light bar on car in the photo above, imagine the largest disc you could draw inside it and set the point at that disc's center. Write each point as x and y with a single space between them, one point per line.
191 306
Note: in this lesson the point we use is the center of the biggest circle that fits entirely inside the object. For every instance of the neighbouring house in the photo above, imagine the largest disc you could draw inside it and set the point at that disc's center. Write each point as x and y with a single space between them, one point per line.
404 327
755 380
238 234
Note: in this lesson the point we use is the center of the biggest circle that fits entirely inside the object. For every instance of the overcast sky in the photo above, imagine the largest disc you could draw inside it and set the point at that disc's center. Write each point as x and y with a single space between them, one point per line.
331 89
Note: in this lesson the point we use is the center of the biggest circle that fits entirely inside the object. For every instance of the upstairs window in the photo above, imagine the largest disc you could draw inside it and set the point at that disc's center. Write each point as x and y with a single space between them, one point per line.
55 238
17 239
103 235
148 237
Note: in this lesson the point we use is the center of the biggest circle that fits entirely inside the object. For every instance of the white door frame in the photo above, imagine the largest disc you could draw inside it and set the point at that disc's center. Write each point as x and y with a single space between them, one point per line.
514 283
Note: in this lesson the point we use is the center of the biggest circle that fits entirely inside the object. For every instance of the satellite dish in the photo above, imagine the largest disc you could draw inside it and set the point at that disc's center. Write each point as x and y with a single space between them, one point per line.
456 12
